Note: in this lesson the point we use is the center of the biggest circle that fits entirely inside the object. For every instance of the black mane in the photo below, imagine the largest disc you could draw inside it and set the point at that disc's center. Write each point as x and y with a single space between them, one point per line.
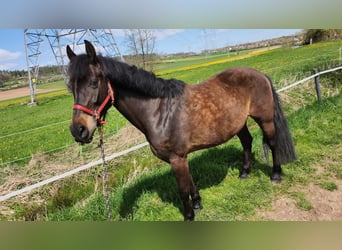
127 77
142 81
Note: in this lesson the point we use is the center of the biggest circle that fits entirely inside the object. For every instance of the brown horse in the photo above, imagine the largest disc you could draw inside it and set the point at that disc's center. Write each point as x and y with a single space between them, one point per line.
177 118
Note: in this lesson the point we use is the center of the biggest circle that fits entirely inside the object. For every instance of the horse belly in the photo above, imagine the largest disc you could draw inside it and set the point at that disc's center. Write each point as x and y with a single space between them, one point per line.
214 119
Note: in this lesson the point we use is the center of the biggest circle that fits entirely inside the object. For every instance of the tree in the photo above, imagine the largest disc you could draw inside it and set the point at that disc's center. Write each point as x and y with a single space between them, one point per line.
141 44
319 35
3 78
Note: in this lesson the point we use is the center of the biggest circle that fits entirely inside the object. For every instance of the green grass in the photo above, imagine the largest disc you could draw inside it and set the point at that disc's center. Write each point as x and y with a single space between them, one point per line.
302 202
52 85
22 118
328 185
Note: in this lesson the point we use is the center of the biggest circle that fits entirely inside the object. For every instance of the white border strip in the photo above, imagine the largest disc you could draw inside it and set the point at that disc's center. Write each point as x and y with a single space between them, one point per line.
71 172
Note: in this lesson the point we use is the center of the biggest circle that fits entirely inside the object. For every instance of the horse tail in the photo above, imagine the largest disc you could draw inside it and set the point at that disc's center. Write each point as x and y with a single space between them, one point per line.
284 148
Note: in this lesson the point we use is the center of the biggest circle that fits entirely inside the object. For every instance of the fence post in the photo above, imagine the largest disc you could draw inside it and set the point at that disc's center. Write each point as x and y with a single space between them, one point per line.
317 86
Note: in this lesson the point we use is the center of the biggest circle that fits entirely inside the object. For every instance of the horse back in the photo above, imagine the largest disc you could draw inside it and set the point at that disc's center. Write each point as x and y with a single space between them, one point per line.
216 109
252 88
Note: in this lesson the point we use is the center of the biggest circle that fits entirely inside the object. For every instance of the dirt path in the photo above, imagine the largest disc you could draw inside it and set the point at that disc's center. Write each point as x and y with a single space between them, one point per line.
20 92
326 206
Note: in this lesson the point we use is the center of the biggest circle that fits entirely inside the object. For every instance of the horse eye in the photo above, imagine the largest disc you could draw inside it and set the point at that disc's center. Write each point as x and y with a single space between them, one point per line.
93 84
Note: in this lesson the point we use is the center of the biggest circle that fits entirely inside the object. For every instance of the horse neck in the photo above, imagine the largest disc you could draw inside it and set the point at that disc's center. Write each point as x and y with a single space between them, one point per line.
141 97
135 108
151 116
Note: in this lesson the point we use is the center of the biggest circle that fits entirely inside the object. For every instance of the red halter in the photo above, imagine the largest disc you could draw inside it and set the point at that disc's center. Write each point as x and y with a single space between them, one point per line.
97 113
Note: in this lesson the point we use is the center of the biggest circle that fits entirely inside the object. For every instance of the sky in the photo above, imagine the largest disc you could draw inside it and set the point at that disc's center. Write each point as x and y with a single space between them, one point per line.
13 56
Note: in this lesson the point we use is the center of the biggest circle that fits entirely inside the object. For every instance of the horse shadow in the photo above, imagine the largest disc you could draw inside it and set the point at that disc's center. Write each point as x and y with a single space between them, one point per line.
209 168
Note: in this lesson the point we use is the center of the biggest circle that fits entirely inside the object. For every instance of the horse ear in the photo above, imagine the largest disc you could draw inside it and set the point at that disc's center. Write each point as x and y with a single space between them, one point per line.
70 53
91 53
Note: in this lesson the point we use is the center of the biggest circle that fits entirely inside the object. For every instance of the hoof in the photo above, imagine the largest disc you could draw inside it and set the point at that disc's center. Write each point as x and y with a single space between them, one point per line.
197 205
243 174
276 178
189 217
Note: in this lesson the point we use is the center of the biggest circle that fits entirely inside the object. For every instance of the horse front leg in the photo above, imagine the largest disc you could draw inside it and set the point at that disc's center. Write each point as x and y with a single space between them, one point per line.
181 171
246 141
195 196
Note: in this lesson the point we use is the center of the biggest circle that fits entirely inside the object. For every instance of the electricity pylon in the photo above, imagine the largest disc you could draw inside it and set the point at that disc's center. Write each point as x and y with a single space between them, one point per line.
58 39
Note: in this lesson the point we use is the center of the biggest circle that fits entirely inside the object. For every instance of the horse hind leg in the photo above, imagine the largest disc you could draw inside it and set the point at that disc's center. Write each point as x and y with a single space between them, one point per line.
269 134
246 141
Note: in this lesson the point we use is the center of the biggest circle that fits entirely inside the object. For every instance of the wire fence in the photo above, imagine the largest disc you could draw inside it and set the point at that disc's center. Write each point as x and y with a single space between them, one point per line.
23 140
33 129
308 78
71 172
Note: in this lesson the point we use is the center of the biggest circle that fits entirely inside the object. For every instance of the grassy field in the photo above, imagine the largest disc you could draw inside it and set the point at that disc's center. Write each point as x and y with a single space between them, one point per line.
143 187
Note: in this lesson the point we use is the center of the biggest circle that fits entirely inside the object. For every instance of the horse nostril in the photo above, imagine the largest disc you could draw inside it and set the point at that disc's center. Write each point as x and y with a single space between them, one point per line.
81 128
82 131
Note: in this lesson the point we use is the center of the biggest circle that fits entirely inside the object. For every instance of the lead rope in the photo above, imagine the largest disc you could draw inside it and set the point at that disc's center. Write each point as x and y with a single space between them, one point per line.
105 177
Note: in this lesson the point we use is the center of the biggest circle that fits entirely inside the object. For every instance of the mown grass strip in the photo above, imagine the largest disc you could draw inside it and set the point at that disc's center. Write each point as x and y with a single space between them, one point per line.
212 62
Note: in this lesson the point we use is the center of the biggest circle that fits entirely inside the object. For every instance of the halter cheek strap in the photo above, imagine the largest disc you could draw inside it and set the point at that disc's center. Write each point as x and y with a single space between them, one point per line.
97 113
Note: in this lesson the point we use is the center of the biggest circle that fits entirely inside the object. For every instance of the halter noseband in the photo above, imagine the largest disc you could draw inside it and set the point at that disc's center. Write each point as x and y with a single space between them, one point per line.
97 113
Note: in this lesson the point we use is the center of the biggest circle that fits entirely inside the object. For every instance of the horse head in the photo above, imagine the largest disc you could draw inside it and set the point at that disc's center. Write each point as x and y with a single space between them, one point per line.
90 89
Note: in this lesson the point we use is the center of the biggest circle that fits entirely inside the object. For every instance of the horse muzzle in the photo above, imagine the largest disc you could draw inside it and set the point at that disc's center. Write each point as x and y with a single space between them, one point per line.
81 133
83 128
